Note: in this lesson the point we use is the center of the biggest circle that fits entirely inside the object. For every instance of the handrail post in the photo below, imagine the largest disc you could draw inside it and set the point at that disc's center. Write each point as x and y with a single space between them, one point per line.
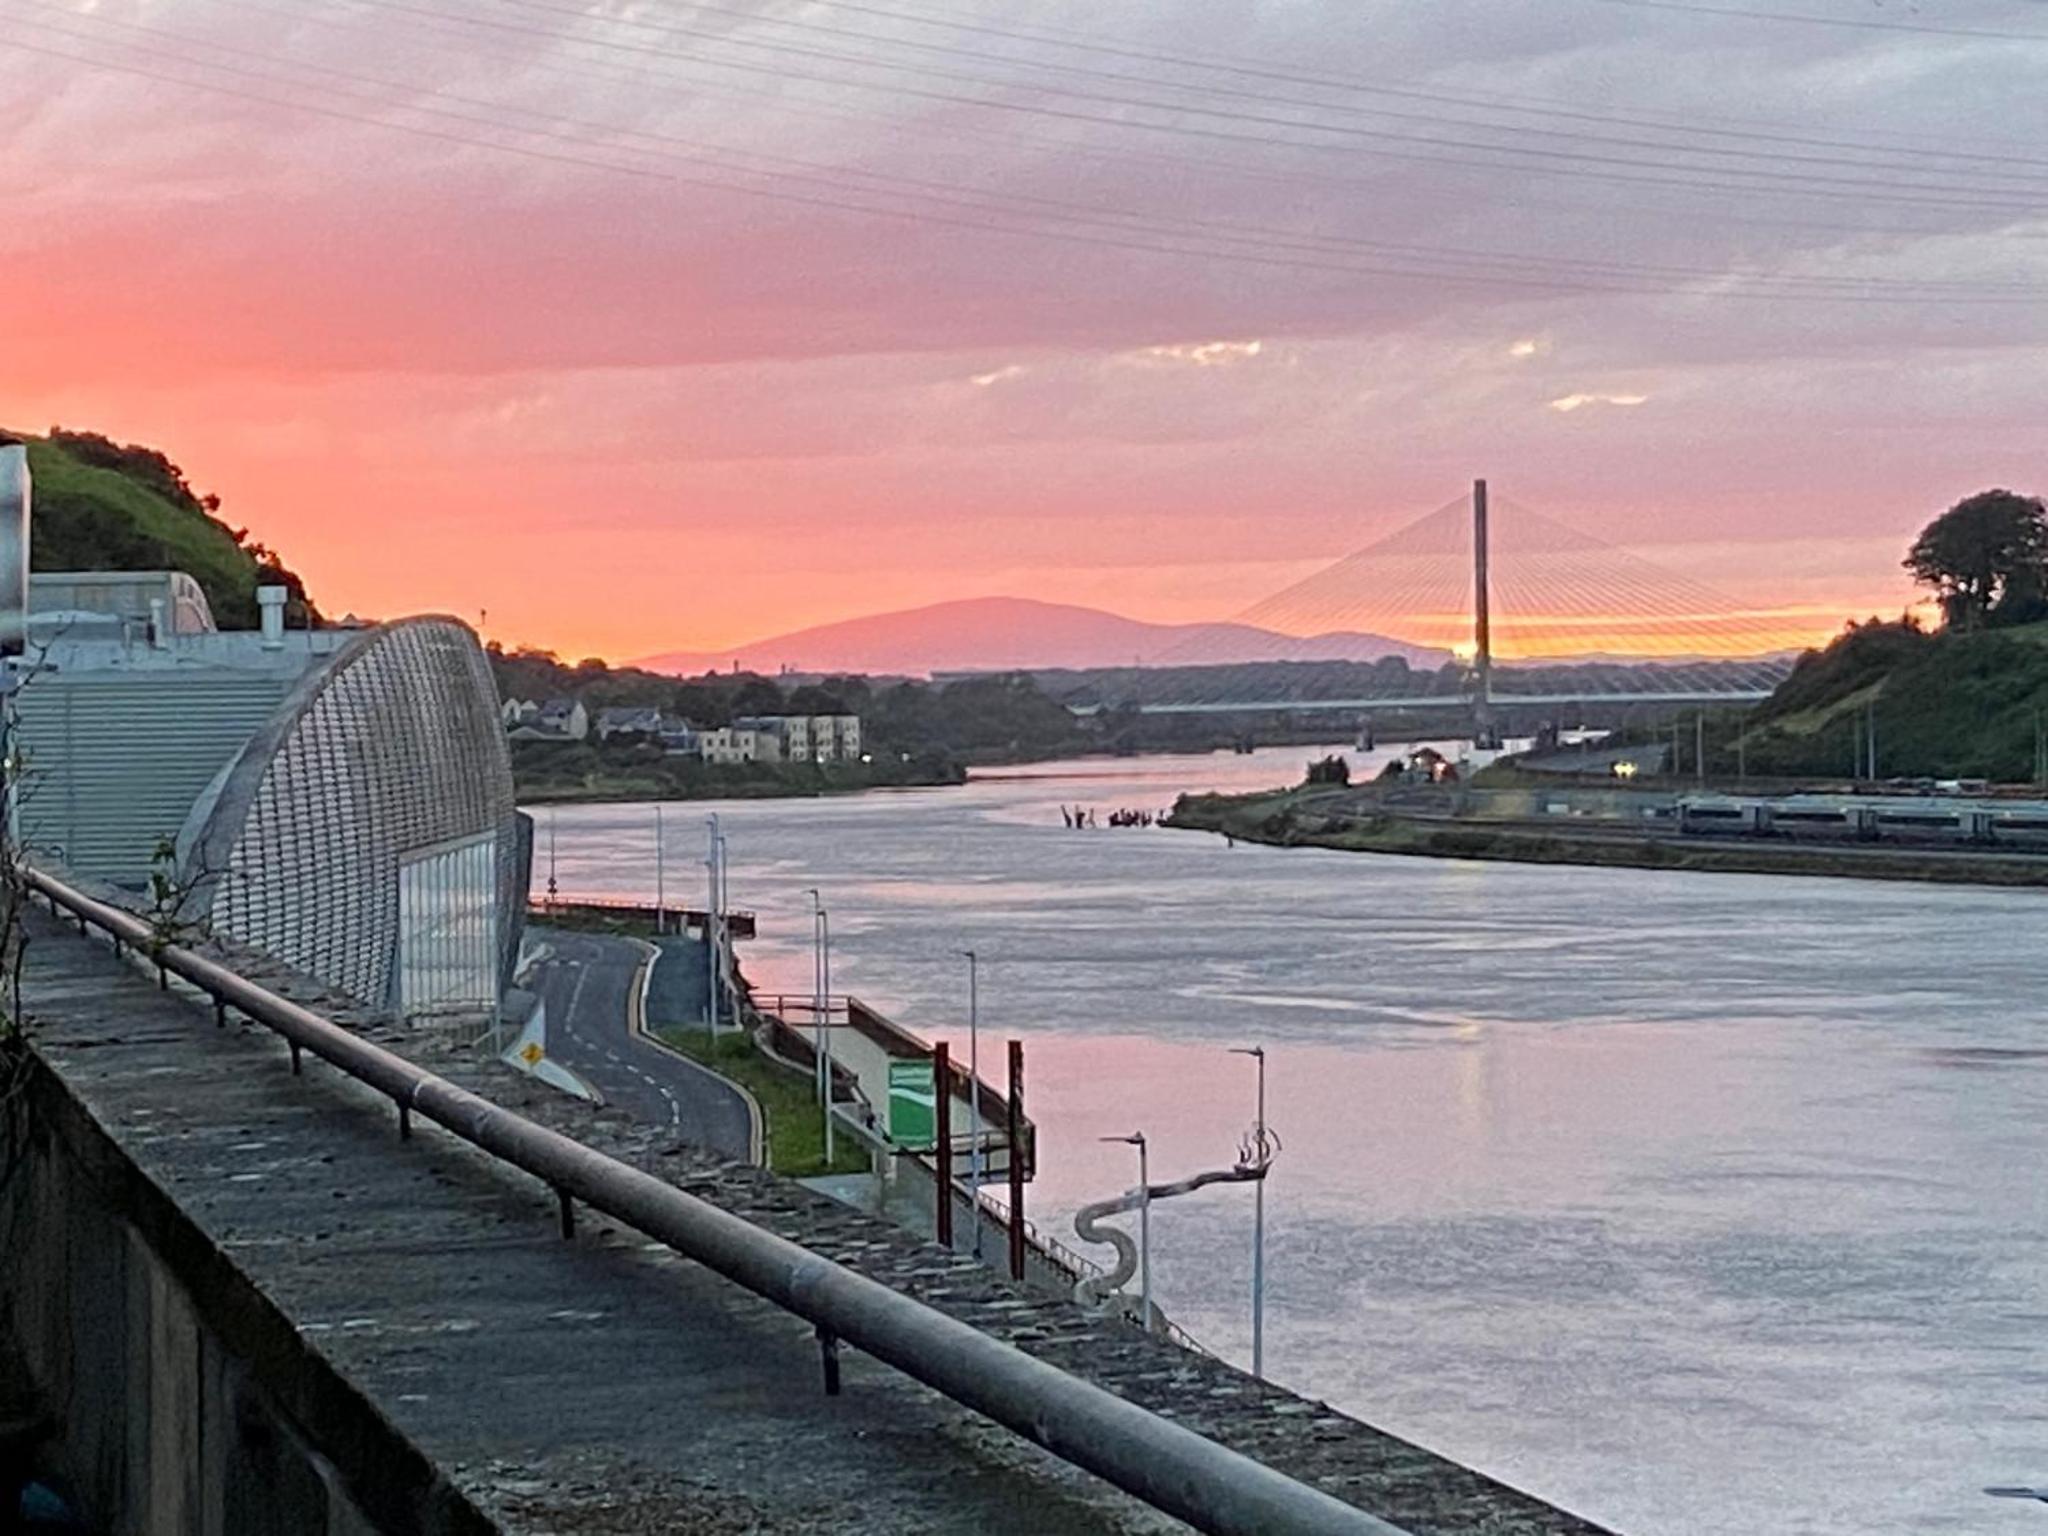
1016 1134
942 1140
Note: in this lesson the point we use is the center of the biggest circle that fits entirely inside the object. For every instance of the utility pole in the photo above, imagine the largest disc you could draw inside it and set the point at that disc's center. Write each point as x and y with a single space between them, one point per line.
1482 620
1699 746
1258 1054
1870 735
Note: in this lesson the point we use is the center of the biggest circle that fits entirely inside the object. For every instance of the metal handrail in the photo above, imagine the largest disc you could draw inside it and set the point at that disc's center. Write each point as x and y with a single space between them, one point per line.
1170 1467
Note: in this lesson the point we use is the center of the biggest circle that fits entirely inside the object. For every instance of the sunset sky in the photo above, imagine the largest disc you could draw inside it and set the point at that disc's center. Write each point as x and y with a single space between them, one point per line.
652 326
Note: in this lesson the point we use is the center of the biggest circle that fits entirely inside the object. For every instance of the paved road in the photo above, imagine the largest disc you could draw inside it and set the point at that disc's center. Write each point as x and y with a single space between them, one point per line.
591 984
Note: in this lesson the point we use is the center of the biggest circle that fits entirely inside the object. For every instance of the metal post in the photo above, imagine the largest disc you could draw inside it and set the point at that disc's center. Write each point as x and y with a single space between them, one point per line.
552 813
825 989
1144 1233
821 1008
1482 619
817 995
660 890
828 1352
711 927
1258 1054
1871 736
942 1139
1016 1133
1699 746
974 1090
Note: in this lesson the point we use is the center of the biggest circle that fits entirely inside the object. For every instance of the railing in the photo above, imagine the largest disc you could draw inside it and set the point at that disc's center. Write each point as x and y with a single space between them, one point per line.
739 922
1169 1467
1081 1267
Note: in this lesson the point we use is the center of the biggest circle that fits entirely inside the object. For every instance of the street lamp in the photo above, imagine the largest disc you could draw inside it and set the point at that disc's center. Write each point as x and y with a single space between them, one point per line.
1258 1054
660 890
1137 1139
821 1005
974 1090
711 865
553 812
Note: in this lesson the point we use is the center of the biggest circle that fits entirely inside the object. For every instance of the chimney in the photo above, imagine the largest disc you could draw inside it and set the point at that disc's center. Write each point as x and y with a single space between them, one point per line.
271 601
14 510
159 626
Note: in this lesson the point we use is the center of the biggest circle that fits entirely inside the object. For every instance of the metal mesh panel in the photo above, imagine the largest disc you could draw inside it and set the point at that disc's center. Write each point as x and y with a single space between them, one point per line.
398 750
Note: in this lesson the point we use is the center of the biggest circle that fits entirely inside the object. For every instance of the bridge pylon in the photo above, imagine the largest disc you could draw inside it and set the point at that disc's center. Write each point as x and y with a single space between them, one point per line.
1483 731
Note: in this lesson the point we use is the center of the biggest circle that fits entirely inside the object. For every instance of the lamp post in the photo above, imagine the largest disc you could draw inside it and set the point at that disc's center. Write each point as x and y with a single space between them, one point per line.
821 1005
974 1090
552 813
660 891
711 860
1137 1139
1258 1054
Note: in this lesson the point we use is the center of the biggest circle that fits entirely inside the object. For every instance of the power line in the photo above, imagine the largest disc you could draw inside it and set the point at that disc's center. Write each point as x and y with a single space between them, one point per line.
1362 141
1517 196
1925 29
1210 241
1495 103
2001 164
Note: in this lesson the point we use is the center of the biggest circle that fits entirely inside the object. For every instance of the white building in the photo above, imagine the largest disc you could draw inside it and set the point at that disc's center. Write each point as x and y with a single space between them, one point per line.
729 744
808 738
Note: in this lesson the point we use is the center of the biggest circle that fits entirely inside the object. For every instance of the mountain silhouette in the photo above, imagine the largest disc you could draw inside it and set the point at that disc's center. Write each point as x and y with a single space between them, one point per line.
1000 633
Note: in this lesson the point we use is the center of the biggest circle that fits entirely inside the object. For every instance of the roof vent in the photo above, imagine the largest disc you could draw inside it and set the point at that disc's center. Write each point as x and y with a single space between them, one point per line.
271 601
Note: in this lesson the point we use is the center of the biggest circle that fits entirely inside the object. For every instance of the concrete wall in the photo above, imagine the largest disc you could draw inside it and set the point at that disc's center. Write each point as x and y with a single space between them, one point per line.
178 1393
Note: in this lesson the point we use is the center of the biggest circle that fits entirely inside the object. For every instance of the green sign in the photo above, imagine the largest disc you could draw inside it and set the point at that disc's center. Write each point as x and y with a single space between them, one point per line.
913 1105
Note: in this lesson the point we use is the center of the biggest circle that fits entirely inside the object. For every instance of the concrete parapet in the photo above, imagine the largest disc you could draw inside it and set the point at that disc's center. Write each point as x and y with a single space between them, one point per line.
227 1277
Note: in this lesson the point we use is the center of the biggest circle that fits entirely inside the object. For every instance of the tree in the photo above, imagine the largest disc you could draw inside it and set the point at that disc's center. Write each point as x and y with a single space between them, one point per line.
1984 558
1330 770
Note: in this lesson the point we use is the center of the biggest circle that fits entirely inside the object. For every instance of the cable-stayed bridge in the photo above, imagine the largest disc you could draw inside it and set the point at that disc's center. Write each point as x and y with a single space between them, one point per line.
1526 610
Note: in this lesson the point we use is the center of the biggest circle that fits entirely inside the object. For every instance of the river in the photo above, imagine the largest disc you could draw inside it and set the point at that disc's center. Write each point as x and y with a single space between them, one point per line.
1704 1205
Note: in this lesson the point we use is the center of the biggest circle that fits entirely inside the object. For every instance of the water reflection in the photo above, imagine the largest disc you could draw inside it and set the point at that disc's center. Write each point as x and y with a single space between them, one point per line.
1697 1203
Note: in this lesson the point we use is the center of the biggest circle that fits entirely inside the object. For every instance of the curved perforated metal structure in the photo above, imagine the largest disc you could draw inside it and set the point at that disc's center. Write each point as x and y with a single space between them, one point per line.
368 835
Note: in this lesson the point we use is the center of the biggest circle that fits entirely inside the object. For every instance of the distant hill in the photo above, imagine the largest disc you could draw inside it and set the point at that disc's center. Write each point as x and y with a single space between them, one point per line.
1946 705
106 506
1000 633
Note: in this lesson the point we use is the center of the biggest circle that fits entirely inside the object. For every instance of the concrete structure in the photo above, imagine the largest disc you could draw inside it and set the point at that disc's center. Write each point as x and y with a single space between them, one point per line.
341 799
120 605
246 1305
119 737
367 835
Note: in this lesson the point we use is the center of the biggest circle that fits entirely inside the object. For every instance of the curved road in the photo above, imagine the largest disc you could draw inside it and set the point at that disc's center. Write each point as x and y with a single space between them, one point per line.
592 987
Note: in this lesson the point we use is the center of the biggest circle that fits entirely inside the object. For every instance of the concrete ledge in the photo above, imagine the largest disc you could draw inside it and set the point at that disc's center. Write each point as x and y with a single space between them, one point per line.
596 1385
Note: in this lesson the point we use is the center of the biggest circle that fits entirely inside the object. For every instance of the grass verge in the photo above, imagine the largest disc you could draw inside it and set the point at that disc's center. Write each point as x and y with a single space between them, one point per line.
795 1132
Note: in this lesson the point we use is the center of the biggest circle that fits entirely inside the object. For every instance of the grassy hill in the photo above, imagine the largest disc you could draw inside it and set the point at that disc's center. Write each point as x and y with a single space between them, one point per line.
1946 705
101 505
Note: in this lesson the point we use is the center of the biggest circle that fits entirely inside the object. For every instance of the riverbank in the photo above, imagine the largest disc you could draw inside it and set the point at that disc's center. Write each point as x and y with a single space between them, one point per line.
1322 819
557 781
